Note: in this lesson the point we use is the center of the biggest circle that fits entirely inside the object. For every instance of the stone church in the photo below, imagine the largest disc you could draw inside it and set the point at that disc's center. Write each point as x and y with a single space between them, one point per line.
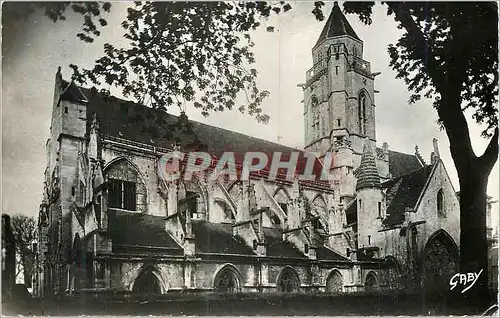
386 220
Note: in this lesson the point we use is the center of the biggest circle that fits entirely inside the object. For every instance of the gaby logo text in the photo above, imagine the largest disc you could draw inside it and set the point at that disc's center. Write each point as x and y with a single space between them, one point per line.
467 280
278 165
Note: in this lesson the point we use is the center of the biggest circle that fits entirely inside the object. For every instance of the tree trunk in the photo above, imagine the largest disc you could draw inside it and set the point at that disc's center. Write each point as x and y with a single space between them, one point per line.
473 240
473 173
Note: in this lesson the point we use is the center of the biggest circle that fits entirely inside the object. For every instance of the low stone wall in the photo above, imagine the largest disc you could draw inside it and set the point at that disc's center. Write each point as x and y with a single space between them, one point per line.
244 304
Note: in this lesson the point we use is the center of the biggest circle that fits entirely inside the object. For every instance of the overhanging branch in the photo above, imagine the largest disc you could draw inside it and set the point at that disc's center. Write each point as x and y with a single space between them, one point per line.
422 51
490 155
448 84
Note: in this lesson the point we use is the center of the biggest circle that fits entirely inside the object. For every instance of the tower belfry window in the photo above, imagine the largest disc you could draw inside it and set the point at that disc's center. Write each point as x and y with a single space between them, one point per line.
315 116
362 113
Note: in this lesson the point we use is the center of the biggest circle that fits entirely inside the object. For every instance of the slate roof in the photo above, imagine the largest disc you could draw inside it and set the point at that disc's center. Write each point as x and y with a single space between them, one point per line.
402 163
336 25
276 247
324 253
138 123
136 230
72 92
403 192
367 173
218 238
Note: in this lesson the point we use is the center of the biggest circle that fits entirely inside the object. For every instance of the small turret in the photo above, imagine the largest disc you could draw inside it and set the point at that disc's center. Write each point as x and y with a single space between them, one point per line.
367 173
369 199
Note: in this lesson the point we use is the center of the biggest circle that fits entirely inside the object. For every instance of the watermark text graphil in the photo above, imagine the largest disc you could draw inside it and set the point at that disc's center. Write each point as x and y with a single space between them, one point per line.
287 166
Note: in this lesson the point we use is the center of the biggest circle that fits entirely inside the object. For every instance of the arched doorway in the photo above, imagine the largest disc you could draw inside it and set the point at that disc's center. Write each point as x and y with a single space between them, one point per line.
288 281
147 283
371 282
439 262
334 283
227 280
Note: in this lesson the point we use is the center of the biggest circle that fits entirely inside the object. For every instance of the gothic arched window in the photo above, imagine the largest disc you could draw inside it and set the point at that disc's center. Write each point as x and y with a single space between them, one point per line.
288 281
440 203
192 199
440 261
80 199
362 113
282 198
315 116
226 281
227 212
126 189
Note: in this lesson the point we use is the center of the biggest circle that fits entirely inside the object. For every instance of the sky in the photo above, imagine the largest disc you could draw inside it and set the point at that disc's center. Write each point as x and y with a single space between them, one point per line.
34 47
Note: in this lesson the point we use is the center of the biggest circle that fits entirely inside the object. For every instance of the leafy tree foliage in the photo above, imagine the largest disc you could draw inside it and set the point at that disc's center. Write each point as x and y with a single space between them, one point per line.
178 52
449 52
25 233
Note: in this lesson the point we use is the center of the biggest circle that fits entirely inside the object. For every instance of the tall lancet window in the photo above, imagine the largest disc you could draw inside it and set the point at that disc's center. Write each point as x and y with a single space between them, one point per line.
315 115
362 113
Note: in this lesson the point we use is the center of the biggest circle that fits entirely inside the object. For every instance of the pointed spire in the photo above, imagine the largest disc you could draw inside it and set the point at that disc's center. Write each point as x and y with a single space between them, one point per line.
336 25
367 173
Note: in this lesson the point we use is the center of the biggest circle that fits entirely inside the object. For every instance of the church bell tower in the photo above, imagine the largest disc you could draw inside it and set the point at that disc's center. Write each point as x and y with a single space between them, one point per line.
339 108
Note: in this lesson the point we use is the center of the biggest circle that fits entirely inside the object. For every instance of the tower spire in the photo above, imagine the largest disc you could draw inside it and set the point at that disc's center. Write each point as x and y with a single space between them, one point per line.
367 173
336 25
